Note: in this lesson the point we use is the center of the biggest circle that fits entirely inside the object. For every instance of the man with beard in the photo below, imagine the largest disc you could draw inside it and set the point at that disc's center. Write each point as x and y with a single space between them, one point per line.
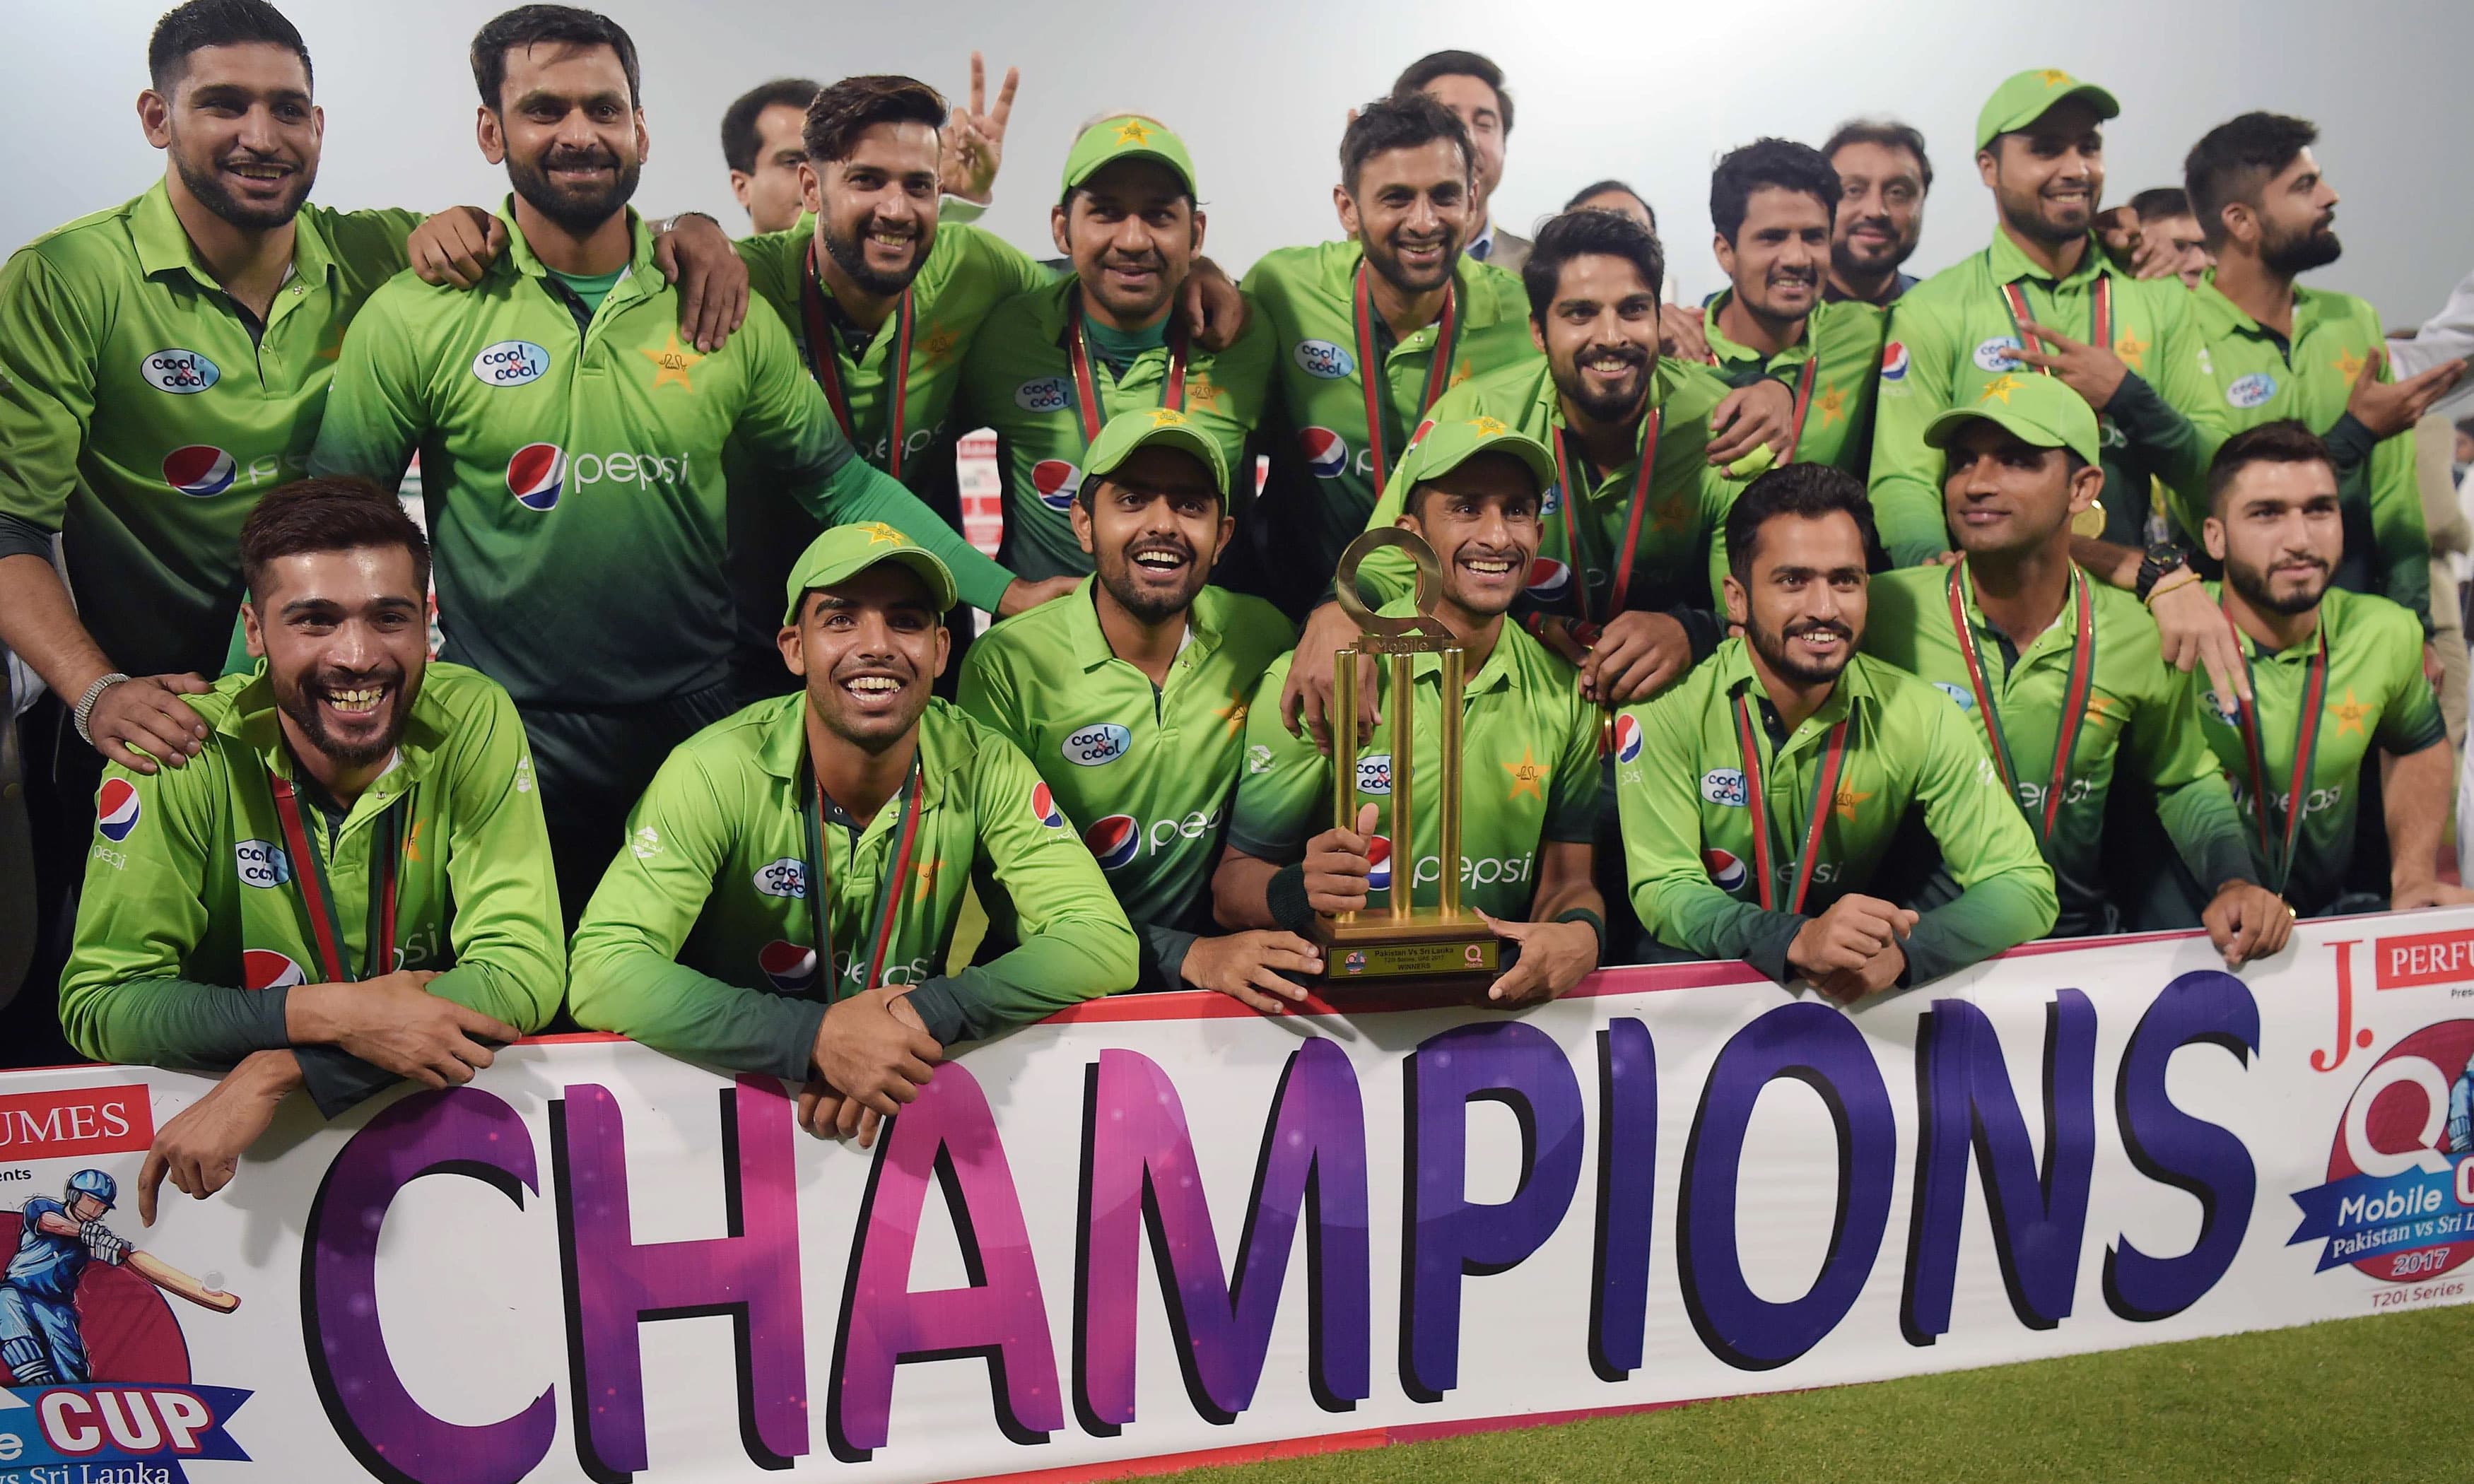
1884 178
1471 86
347 884
1529 744
1051 366
1129 698
1772 202
2277 351
2063 676
1766 798
573 446
2332 674
791 878
2044 298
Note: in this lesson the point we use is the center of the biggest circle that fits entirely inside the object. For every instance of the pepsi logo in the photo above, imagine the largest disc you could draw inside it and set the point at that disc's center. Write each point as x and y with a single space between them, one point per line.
1096 745
265 968
1420 436
510 363
1375 774
199 470
1548 577
180 373
787 967
2252 391
1054 481
261 863
1327 452
1552 500
1114 840
535 474
1378 857
1627 737
115 809
1321 359
1048 393
786 878
1724 869
1995 355
1043 808
1724 788
1894 362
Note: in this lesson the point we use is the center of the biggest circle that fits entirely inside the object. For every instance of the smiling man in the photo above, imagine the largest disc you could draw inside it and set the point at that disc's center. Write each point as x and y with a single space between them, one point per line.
1883 177
760 144
791 881
1471 86
1529 744
348 884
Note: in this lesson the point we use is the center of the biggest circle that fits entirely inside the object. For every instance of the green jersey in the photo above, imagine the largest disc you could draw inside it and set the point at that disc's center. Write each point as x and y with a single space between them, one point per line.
2137 709
2371 693
1323 481
701 939
198 915
1953 333
2261 376
1021 380
1842 343
1529 769
1143 772
1689 817
573 472
144 412
1676 551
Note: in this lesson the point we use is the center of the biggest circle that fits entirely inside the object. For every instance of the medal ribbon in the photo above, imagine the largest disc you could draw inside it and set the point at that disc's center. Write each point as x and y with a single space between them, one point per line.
2306 753
822 355
1824 789
318 899
1803 403
1086 392
1586 631
888 905
2074 695
1370 373
2099 315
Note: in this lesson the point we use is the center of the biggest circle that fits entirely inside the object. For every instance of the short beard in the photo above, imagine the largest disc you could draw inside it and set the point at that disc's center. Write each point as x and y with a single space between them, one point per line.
1844 263
2031 224
577 216
294 699
1116 576
2299 255
208 188
851 255
1603 408
1773 651
2253 585
1386 262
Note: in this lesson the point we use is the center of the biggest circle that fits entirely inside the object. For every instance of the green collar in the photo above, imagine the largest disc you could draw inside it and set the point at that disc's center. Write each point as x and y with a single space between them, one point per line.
2219 313
1478 308
163 243
1666 378
1089 642
2009 265
1726 350
2299 652
253 720
1493 675
782 747
1853 692
2059 634
640 263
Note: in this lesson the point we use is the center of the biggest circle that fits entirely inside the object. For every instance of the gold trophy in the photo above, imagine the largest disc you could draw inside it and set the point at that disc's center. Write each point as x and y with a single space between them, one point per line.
1401 940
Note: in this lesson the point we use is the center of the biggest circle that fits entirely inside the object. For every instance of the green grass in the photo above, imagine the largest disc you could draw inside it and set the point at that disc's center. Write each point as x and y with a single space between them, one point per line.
2375 1399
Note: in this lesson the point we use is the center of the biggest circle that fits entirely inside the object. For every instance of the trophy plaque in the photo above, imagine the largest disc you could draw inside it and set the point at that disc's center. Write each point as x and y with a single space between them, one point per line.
1402 941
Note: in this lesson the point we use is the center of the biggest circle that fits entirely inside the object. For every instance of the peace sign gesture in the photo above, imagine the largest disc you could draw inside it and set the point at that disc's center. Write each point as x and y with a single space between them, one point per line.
974 138
2093 372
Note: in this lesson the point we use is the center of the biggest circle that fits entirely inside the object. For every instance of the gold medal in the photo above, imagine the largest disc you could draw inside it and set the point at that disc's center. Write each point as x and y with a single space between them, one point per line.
2089 522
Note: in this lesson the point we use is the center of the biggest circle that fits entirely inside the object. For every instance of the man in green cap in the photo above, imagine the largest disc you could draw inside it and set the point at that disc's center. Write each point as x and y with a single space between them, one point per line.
1772 203
1529 744
1764 796
2333 676
2044 298
2061 675
1130 697
789 883
1051 366
2277 351
348 884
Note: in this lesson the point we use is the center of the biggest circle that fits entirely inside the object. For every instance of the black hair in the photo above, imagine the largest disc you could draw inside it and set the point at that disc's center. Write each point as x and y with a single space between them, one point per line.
202 23
2284 441
1403 122
1583 234
1602 187
740 140
1415 77
531 25
1764 163
1807 492
2159 202
1887 133
327 514
2234 159
841 113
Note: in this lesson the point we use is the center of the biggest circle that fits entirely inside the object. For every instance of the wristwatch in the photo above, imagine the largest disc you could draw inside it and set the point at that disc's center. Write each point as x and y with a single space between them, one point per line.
2160 558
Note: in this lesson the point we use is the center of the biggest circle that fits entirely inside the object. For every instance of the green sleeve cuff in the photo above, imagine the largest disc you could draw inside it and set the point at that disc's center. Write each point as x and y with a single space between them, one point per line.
1163 952
2141 412
1771 937
337 1081
2349 444
20 536
182 1023
1286 897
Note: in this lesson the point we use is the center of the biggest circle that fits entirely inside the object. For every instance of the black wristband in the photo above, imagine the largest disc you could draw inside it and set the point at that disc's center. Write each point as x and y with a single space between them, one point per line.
1286 896
1597 925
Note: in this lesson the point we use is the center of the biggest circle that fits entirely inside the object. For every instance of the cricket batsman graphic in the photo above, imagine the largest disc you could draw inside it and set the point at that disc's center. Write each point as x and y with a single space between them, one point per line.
39 1341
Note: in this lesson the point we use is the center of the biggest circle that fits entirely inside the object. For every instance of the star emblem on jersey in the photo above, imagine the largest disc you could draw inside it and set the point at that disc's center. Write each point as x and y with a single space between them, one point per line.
879 534
671 363
2100 710
1132 132
2132 349
1846 802
1234 714
412 840
1833 406
1488 427
2350 713
1202 394
940 345
1673 517
2001 387
927 874
1464 371
2348 364
1526 775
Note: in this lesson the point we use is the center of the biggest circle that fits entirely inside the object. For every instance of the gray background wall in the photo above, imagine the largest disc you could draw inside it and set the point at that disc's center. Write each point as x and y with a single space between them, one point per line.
1649 92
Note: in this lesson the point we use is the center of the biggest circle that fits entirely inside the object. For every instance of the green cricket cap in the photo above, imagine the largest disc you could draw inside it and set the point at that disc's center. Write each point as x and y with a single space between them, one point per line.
2022 98
1445 446
845 551
1154 427
2041 409
1127 137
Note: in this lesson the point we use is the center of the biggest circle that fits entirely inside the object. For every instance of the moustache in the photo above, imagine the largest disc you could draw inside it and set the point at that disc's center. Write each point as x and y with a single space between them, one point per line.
1176 546
1628 353
580 157
1796 630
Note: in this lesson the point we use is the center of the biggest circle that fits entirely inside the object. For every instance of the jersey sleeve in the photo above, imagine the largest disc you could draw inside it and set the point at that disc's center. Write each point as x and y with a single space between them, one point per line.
2164 742
2409 718
370 245
2174 422
623 973
1073 940
2006 891
1008 268
377 406
774 261
1241 377
49 345
1671 890
140 920
1906 475
2402 554
986 693
1572 796
1283 785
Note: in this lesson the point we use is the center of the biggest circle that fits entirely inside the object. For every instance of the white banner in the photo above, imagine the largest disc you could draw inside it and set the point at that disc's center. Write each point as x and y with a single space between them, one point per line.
598 1262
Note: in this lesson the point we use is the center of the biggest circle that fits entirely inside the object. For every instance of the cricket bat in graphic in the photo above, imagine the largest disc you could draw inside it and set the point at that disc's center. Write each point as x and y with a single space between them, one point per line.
172 1281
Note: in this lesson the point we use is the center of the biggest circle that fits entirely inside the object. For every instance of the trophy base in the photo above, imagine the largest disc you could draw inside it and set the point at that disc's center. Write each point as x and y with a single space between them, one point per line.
1425 946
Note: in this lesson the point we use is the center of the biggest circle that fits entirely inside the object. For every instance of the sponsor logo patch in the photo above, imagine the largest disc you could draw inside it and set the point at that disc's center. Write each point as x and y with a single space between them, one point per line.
1627 737
510 363
1725 869
1055 481
1894 362
785 878
261 863
1048 393
1323 359
180 373
199 470
1995 355
1327 452
1096 745
1375 774
1043 808
265 968
535 476
2252 391
787 966
1114 840
115 809
1724 788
